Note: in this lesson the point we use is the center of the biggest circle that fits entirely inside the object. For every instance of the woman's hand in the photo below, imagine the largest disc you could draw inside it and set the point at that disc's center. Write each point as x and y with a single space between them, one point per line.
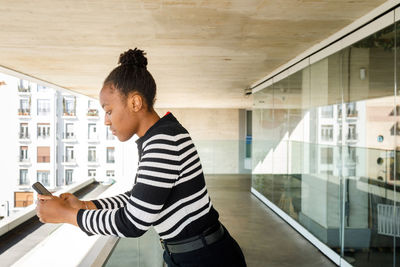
52 209
73 201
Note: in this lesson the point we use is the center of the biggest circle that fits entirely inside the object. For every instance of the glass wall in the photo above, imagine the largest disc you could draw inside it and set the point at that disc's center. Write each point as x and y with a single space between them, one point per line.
326 150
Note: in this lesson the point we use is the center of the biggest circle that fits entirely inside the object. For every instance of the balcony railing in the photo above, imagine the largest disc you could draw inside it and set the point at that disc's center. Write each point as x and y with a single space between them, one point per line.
69 160
24 135
24 160
352 114
69 113
69 136
352 137
24 111
92 112
22 89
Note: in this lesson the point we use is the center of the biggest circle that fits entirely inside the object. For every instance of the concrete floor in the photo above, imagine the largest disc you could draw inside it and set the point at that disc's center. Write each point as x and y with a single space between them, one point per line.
264 237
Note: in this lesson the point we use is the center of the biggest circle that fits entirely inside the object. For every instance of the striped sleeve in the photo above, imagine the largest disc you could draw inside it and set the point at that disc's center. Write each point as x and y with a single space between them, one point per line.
157 173
114 202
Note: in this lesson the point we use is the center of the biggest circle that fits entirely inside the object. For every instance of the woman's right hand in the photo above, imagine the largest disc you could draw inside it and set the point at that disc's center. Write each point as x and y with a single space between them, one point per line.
73 201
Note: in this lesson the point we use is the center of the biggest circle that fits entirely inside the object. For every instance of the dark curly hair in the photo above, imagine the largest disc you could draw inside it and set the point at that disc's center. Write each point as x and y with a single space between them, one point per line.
132 76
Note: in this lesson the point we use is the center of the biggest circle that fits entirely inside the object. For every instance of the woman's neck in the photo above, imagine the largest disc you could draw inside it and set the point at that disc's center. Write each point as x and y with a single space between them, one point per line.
147 119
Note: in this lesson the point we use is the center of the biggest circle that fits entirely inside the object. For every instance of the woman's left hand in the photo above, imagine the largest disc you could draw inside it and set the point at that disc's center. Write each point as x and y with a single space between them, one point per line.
52 209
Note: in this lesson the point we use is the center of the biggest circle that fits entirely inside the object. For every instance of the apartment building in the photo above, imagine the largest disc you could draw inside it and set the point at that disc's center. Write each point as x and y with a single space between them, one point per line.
61 140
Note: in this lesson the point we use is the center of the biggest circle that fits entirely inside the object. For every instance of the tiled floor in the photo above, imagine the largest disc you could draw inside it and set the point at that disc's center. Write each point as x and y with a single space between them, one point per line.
264 237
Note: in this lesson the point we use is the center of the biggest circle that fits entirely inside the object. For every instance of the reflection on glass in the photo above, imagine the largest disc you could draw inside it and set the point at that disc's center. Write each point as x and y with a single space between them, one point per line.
325 150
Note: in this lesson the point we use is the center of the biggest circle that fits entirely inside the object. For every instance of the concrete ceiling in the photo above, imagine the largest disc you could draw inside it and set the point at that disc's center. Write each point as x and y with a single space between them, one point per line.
201 53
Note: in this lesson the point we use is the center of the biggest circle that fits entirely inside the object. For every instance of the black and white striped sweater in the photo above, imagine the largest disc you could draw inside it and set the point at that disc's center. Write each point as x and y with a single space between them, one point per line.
170 191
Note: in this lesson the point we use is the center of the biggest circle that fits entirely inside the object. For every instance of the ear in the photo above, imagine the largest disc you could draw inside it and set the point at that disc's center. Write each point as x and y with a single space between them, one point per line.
136 102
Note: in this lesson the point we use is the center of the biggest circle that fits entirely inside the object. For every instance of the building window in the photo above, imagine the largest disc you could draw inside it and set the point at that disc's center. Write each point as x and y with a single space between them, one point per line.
43 107
69 131
352 134
110 136
92 108
69 106
43 177
24 86
92 154
43 154
351 109
24 106
69 176
110 155
43 130
327 112
69 154
23 154
92 173
23 177
23 131
339 111
248 133
326 155
327 132
92 131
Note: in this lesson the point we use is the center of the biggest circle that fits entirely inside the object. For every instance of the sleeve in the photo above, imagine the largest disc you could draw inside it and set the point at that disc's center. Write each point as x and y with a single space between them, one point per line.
114 202
157 173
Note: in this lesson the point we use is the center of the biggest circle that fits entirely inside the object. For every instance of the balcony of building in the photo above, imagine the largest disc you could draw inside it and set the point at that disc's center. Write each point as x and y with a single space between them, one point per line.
69 161
69 137
24 112
92 114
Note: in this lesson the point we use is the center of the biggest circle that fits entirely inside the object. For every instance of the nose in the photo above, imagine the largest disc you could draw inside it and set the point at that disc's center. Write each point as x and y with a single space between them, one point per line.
107 120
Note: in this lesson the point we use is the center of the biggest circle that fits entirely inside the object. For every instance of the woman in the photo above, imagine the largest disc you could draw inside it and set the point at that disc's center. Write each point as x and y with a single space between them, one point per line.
169 192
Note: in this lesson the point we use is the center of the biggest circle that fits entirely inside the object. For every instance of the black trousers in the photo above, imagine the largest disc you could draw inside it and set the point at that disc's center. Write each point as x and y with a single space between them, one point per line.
225 252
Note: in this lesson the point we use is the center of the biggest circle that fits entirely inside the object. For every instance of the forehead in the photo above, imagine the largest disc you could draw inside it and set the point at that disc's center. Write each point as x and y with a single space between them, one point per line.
108 95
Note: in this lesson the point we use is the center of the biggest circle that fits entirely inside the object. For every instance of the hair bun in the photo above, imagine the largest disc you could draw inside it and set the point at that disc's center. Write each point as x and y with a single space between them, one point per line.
135 57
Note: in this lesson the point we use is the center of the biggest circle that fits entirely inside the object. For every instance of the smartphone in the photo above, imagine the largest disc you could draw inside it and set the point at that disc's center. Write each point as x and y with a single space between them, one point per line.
41 189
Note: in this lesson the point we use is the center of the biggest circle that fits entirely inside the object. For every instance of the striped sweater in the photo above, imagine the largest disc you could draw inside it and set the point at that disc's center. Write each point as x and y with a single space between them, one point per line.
169 192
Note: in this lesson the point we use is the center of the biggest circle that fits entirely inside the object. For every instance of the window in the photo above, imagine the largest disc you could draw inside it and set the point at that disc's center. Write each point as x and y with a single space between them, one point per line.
327 112
92 173
110 136
110 155
326 155
69 154
43 107
92 154
92 108
43 130
43 154
351 109
110 173
43 177
69 176
69 106
92 131
23 154
339 111
352 135
24 106
23 131
24 86
23 177
69 131
327 132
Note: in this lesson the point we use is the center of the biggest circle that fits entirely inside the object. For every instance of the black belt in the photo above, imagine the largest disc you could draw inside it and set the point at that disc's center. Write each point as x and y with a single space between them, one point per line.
193 243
